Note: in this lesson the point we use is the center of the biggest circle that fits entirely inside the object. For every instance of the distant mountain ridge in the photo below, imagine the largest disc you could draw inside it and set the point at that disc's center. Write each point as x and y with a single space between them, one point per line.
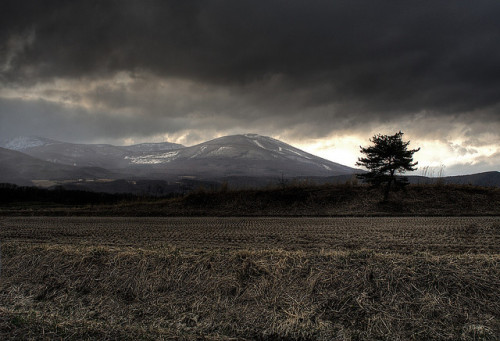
237 155
239 160
21 143
488 179
19 168
82 155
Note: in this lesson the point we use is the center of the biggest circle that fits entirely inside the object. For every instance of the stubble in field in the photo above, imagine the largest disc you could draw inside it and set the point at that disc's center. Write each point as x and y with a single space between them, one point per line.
242 278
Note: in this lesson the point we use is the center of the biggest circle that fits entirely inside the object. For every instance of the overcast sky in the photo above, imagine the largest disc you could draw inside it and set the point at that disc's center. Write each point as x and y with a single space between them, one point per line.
324 76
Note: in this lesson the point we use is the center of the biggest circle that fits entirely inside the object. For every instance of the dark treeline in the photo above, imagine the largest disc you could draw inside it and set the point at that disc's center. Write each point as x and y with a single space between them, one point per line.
291 199
10 193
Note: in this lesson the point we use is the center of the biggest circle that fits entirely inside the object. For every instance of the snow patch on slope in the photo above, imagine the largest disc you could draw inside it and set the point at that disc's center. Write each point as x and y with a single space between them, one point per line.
198 153
298 153
153 158
25 142
259 144
221 151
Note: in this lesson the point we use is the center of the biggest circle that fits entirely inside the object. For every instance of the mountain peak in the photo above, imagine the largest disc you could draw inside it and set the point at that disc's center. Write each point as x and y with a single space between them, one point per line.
242 155
252 135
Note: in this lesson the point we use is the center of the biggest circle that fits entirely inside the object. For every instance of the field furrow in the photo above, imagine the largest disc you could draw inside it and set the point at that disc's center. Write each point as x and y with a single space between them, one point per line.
399 234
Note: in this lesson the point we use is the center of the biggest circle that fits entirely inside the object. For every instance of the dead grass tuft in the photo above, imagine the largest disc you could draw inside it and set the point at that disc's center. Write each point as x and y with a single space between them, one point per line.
68 291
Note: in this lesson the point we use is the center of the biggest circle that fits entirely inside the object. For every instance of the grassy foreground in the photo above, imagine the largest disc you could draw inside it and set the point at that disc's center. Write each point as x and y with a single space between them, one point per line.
68 291
239 278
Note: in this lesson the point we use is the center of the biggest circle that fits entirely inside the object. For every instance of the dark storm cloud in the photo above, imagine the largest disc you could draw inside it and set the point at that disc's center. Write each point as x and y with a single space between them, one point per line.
42 118
387 56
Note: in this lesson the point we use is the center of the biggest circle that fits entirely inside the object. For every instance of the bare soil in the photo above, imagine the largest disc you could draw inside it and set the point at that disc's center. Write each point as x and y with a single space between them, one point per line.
400 234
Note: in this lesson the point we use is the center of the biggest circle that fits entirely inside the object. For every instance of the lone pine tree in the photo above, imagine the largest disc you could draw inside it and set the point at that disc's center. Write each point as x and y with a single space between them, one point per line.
387 156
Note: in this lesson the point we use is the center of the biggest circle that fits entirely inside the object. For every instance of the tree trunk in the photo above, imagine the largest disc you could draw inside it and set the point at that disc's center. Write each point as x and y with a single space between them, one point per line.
386 192
388 188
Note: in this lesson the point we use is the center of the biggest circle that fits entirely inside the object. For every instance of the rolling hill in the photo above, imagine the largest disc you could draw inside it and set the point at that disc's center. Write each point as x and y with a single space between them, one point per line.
82 155
19 168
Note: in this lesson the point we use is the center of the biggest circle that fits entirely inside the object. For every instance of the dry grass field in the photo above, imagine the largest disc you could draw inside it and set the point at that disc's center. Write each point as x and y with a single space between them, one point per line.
397 278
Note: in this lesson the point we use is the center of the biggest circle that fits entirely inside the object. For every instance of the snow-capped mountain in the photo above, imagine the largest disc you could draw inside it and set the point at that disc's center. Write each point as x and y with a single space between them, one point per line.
248 155
240 155
248 146
239 160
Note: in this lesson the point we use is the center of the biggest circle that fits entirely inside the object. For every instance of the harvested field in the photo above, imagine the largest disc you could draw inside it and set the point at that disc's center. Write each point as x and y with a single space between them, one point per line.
250 278
400 234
